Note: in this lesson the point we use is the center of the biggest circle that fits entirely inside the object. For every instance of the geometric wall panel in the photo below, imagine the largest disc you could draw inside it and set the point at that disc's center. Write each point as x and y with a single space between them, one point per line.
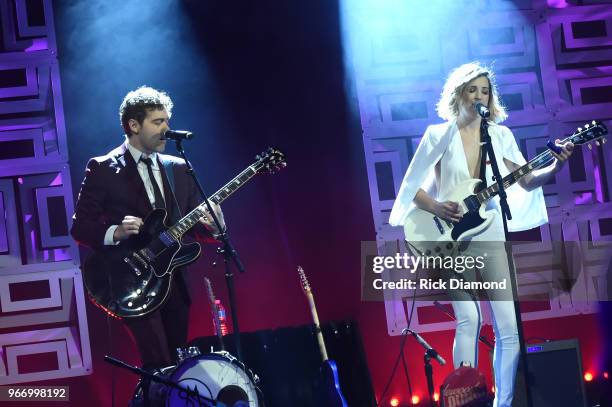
31 115
27 26
43 325
52 328
41 212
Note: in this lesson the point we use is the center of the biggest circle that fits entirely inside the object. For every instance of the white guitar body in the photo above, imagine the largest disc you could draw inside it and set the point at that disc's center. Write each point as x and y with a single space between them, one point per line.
432 235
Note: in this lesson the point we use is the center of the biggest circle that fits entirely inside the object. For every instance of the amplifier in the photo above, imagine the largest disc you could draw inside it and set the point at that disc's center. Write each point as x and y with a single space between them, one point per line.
555 376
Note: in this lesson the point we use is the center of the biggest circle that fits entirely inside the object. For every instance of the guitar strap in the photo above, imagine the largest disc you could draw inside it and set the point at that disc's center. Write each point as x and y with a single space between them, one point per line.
177 213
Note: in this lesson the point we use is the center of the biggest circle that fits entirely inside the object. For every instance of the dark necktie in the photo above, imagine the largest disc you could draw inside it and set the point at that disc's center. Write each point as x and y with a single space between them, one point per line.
159 199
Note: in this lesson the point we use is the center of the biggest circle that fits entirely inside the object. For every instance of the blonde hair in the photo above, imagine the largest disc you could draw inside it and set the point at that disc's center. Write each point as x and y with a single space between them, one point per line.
448 105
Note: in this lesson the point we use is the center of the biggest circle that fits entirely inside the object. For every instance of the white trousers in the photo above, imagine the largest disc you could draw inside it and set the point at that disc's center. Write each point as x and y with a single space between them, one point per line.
469 320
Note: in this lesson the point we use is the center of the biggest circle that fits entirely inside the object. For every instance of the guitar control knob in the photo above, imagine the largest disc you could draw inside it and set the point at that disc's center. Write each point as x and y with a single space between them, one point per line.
130 304
138 291
144 306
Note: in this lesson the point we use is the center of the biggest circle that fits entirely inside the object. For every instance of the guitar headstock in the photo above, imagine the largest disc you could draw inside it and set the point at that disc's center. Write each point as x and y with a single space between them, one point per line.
270 160
592 132
304 280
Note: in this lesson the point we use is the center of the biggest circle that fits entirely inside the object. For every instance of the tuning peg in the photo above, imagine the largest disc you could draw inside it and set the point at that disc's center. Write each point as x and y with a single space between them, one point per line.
579 129
586 126
593 122
597 142
590 146
603 140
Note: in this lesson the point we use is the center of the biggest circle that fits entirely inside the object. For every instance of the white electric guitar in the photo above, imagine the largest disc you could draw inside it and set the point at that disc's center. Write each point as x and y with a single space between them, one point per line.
429 234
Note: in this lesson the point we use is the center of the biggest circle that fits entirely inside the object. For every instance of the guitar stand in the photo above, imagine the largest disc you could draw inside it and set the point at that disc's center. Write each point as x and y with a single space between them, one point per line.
229 253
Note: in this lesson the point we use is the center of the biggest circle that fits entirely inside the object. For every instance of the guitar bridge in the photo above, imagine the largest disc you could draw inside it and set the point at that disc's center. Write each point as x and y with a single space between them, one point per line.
147 254
141 260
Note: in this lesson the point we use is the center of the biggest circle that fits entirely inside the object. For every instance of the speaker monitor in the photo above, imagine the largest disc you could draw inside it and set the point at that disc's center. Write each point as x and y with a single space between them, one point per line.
555 376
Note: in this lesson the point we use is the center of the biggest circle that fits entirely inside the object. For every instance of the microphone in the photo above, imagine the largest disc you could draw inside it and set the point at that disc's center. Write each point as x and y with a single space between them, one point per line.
177 135
431 351
482 110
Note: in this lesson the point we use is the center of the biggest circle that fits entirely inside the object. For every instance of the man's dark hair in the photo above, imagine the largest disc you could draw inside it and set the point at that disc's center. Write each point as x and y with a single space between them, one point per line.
138 102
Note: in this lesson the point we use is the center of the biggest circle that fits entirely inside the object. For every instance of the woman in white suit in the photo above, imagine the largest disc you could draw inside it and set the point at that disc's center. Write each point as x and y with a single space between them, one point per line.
450 153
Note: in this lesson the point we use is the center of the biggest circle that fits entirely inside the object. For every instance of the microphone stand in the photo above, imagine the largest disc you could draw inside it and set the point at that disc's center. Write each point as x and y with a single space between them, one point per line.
506 215
429 354
228 251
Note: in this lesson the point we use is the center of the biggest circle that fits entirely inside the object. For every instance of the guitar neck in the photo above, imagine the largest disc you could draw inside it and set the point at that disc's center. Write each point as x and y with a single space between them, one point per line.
315 317
193 217
540 161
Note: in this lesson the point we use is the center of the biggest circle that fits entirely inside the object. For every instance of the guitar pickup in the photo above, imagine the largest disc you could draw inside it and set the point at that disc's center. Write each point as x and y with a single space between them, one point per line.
438 224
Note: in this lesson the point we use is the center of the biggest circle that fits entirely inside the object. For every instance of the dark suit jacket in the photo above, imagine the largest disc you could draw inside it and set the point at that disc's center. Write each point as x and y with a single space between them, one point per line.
112 189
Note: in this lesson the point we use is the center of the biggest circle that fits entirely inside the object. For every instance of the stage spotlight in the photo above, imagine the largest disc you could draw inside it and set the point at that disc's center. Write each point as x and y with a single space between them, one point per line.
606 375
436 396
394 402
588 376
415 399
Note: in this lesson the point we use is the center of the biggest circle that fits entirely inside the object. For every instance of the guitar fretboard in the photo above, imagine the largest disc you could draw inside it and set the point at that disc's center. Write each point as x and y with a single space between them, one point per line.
540 161
193 217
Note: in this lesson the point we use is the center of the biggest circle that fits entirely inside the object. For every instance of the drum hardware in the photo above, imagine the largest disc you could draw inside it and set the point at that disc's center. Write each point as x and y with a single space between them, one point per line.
185 353
216 375
148 377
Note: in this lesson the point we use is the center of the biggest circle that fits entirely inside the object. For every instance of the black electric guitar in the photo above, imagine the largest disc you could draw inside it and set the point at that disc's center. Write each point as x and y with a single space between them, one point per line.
133 278
332 396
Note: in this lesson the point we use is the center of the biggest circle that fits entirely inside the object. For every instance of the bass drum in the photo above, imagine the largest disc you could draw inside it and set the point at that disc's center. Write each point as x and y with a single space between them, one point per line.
218 376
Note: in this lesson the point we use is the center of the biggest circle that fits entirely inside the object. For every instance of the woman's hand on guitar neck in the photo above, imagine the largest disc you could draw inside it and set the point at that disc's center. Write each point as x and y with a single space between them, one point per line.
566 152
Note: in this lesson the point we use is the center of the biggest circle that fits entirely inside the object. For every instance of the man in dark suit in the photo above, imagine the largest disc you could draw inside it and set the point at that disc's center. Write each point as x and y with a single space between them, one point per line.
120 189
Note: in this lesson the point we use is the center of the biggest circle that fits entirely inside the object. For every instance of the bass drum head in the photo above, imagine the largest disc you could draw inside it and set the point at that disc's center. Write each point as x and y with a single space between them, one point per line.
218 376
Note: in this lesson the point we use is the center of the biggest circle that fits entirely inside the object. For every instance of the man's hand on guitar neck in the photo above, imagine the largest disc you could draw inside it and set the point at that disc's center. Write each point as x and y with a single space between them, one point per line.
209 222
